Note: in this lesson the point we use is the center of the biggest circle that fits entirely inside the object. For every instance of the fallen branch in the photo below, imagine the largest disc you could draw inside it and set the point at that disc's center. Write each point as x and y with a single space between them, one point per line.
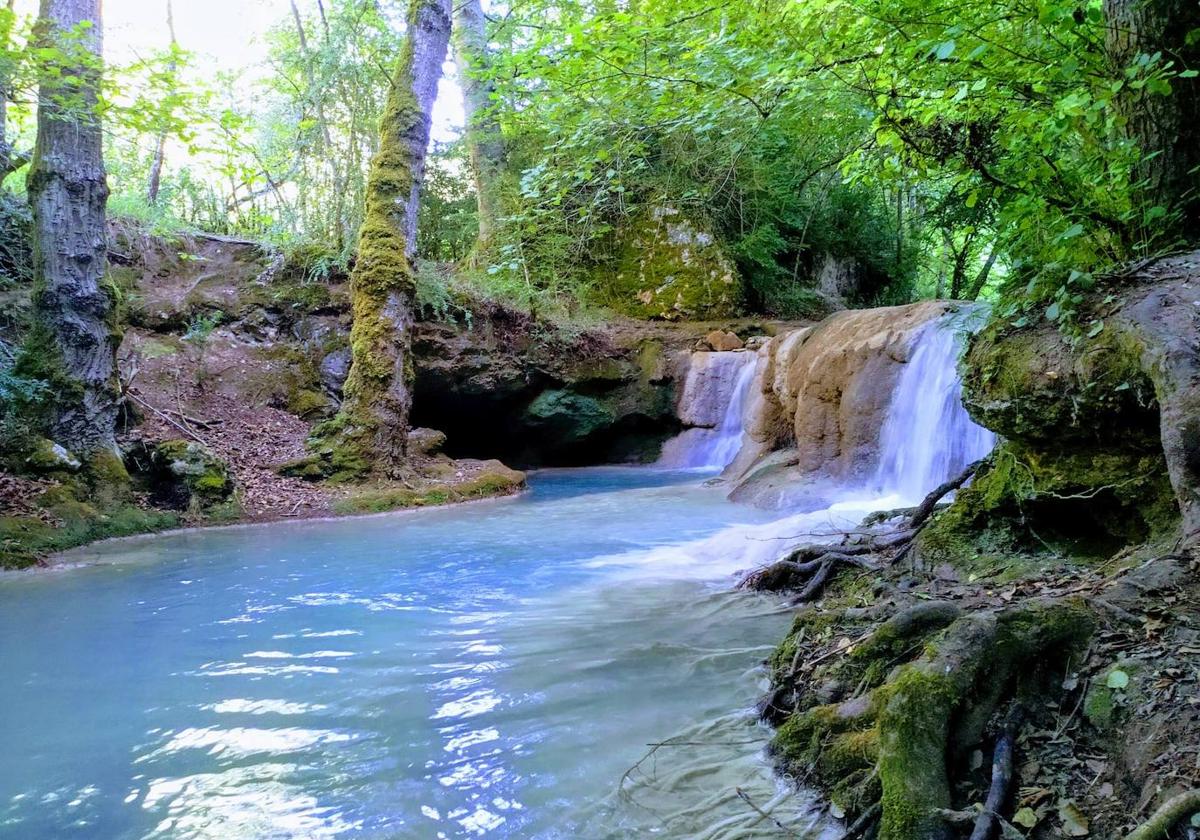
859 827
1002 774
167 417
746 798
1168 814
927 507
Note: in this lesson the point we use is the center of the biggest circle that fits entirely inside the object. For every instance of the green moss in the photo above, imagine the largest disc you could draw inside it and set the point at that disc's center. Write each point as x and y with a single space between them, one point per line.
912 753
493 482
1106 695
568 416
1042 501
188 475
25 541
670 267
308 403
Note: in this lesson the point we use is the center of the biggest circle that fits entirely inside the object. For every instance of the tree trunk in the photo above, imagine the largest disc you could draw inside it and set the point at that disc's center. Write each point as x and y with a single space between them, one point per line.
374 419
68 192
1166 128
485 143
160 148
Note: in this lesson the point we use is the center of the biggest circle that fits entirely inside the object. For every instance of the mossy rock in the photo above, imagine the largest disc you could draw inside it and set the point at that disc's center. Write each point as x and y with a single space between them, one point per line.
187 475
570 417
48 457
493 479
671 266
1027 500
1111 691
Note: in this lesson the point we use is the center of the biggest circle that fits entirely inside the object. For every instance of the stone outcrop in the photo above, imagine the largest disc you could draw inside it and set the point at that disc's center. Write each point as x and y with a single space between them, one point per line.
1102 431
671 267
820 398
503 388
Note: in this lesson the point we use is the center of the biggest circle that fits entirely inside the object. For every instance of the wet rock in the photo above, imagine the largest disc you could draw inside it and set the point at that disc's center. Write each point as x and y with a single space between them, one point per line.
822 394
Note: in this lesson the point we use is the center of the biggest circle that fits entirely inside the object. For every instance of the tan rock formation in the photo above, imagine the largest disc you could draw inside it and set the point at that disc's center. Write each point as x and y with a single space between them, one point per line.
823 393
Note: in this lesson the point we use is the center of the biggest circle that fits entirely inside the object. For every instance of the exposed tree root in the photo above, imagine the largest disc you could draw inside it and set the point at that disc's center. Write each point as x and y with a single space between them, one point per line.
1002 774
926 683
1167 816
808 568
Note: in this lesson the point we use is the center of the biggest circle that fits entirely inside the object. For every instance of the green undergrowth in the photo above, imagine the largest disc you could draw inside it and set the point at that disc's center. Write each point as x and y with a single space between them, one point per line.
382 499
25 541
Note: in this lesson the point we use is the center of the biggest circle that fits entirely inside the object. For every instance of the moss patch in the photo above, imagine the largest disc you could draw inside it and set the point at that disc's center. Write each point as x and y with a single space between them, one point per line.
494 480
671 267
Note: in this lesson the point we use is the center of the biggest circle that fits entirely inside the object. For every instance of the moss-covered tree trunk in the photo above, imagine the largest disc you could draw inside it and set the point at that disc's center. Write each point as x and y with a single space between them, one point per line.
1167 128
485 142
373 424
68 193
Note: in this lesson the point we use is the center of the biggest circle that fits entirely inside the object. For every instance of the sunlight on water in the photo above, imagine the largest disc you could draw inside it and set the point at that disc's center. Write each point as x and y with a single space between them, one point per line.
493 670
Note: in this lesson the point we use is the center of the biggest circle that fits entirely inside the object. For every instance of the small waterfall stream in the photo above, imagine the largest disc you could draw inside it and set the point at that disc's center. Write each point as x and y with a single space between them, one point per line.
714 403
928 437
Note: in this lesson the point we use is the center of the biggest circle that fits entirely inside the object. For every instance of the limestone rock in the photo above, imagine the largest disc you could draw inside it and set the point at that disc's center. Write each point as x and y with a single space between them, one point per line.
426 441
723 340
823 393
672 267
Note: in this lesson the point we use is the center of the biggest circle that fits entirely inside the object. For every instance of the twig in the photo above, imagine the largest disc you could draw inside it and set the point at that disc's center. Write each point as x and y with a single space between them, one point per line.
746 798
187 431
859 827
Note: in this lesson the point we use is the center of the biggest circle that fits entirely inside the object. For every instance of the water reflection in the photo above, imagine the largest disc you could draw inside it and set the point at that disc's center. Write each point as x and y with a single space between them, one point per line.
458 673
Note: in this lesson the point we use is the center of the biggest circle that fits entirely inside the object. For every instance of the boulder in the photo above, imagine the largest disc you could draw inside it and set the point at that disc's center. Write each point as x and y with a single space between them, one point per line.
187 475
51 457
723 340
335 368
425 441
671 267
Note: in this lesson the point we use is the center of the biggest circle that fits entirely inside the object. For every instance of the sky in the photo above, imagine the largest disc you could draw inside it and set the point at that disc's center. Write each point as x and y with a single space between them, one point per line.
227 35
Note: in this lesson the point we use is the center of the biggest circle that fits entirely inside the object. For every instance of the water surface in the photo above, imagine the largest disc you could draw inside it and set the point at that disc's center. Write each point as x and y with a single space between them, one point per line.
489 670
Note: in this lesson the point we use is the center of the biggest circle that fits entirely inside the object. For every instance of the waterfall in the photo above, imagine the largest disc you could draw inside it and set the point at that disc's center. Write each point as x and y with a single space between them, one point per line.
713 403
927 435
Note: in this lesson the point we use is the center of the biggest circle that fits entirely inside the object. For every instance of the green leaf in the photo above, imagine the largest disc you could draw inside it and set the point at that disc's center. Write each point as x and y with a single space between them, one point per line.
1025 818
944 50
1117 679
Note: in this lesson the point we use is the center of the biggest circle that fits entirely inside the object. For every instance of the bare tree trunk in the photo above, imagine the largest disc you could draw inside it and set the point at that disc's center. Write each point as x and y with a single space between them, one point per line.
484 140
68 192
1166 128
160 148
981 278
373 424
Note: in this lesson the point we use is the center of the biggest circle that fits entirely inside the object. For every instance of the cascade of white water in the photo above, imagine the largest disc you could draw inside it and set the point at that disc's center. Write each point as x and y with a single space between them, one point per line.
714 392
928 437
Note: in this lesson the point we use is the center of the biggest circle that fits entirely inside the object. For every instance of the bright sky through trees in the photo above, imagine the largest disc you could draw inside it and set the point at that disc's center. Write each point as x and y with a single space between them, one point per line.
228 35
